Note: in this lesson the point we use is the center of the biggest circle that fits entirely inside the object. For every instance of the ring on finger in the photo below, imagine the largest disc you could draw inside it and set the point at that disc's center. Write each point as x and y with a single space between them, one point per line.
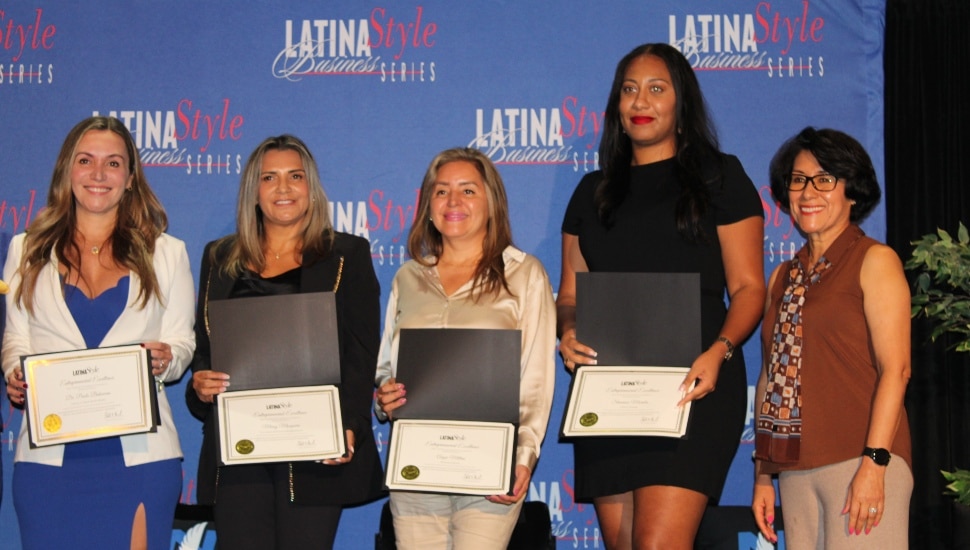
873 510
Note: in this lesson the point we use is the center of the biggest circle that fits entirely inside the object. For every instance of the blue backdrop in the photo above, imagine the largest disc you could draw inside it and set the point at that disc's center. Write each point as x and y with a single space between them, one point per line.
376 90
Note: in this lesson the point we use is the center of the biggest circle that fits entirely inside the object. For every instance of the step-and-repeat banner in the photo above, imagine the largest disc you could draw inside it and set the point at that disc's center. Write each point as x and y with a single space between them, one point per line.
376 90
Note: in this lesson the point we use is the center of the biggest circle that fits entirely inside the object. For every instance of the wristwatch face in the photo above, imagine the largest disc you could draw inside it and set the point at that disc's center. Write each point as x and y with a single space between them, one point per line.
879 456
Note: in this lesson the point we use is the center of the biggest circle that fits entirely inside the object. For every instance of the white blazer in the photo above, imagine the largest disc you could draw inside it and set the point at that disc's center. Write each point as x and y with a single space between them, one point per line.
52 328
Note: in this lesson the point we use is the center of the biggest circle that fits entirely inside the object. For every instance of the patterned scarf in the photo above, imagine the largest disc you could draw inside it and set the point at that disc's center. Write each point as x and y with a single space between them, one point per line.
779 430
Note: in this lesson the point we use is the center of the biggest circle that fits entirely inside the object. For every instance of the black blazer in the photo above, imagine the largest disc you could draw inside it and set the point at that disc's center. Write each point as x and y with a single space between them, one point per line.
358 320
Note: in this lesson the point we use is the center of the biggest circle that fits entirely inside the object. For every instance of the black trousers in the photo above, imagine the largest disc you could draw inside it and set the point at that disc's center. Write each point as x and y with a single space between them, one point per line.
253 512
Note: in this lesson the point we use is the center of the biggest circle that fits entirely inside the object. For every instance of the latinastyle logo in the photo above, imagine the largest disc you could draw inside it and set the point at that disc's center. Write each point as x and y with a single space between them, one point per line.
742 41
573 524
564 135
390 217
25 38
196 137
350 216
390 44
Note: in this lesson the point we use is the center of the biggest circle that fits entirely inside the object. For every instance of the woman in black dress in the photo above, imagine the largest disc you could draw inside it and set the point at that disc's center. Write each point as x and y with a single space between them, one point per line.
668 201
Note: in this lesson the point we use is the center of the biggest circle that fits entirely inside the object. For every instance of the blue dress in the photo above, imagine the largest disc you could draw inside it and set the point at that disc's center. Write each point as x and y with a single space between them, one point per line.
90 501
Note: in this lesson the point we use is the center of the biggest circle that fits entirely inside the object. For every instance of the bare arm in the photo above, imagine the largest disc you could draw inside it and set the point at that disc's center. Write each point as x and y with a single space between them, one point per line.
743 257
572 350
886 301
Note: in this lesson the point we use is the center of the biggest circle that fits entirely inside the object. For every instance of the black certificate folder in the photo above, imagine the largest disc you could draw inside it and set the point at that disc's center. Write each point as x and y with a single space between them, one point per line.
460 374
280 341
640 318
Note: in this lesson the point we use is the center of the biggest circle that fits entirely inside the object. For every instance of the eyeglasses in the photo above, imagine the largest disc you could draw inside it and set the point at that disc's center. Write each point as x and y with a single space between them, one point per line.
822 182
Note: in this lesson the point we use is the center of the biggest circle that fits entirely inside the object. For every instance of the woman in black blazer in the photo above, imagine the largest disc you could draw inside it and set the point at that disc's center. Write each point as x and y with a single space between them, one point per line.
284 244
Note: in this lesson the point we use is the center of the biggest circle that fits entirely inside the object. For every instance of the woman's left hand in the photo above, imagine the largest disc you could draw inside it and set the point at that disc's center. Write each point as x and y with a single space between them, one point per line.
704 371
347 457
519 488
866 492
161 356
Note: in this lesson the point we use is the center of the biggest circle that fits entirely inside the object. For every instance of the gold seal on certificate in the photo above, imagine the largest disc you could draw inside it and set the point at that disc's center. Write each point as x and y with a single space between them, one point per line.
438 456
279 425
52 423
628 401
89 394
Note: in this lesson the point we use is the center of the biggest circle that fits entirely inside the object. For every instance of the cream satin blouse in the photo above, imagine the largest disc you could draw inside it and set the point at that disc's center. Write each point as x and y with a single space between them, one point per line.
418 301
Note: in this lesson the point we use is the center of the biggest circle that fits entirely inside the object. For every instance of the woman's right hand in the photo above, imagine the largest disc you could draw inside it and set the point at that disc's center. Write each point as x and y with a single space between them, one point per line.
763 506
573 352
209 383
16 387
390 396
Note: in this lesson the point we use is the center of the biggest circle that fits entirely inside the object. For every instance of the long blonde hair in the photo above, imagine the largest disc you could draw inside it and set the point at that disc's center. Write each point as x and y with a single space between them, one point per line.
141 220
246 244
425 242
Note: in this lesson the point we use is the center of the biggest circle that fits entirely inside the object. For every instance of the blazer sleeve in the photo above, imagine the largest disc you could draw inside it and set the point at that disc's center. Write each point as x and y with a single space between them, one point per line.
177 316
358 319
201 358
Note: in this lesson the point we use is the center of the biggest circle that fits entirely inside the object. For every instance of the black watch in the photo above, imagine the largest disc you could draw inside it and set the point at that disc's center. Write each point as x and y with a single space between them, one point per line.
879 456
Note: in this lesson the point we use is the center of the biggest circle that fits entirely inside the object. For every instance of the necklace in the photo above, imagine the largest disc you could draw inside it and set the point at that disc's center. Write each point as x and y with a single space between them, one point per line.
277 254
96 249
283 251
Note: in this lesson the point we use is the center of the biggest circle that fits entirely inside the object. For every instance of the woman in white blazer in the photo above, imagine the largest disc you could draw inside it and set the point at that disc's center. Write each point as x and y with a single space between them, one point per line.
95 269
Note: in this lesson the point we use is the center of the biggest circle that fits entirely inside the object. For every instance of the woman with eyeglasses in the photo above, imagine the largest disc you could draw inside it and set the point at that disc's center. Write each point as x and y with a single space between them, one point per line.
830 418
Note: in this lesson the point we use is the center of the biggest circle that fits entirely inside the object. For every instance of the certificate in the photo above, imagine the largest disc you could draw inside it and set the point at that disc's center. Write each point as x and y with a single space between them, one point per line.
279 425
626 401
89 394
468 458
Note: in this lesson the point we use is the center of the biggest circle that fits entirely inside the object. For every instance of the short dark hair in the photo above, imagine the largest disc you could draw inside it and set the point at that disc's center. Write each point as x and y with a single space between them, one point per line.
840 155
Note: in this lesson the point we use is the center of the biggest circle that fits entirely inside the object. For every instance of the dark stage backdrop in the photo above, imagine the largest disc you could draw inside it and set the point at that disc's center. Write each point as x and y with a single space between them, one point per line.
378 89
927 146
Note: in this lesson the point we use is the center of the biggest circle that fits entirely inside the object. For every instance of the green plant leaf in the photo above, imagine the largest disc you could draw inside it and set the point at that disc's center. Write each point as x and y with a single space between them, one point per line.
958 485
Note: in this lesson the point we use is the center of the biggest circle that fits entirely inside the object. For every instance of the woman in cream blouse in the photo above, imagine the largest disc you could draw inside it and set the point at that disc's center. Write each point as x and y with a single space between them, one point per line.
465 273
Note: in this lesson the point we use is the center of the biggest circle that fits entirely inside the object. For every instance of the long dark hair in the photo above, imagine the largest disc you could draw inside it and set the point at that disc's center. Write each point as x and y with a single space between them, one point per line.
697 148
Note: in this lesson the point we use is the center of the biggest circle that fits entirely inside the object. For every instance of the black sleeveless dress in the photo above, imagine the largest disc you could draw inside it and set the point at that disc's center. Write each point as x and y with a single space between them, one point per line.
645 239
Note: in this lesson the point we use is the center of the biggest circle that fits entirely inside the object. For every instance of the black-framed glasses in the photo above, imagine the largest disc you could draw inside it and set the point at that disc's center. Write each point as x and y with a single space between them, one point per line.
821 182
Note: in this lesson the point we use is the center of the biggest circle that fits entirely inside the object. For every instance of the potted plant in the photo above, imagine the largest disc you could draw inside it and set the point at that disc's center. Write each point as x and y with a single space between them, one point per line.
942 295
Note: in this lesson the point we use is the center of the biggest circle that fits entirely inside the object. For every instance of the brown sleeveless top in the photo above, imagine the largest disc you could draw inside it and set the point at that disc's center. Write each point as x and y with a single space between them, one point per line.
838 372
